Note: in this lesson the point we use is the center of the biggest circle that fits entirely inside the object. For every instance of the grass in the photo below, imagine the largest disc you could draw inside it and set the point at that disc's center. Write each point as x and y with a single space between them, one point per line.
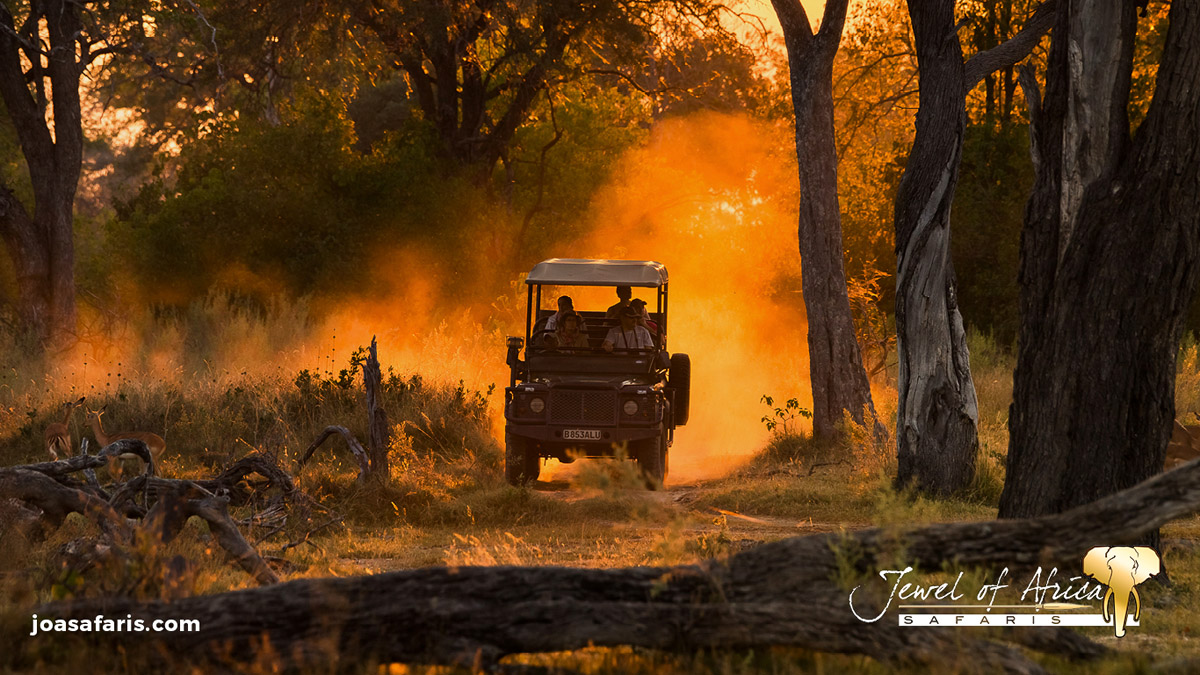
447 503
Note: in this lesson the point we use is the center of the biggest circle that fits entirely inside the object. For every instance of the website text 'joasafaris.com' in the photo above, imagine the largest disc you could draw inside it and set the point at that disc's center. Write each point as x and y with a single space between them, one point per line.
104 624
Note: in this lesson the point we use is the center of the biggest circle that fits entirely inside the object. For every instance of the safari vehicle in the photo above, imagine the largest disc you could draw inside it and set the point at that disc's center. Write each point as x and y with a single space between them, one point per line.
564 402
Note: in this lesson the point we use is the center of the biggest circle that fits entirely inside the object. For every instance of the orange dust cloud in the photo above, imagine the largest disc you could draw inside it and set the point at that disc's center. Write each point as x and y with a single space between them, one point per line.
713 197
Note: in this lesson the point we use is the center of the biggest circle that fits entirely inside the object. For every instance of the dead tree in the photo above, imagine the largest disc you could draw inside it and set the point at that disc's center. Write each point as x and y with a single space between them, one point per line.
936 436
839 381
40 496
372 462
780 593
377 421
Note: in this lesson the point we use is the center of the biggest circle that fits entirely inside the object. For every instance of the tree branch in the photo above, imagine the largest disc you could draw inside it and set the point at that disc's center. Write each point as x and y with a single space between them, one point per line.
1012 50
794 21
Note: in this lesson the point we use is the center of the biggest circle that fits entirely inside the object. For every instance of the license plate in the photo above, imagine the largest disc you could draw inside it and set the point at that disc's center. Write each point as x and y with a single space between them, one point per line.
581 434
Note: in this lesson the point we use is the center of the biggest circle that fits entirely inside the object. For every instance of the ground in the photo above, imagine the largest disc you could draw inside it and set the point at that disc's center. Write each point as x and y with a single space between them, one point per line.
448 504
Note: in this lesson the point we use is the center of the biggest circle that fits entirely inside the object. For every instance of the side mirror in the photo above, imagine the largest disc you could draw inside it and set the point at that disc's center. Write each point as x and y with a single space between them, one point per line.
514 351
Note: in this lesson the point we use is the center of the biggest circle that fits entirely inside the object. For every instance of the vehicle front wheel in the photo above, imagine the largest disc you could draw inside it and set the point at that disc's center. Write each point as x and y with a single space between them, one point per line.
652 459
521 463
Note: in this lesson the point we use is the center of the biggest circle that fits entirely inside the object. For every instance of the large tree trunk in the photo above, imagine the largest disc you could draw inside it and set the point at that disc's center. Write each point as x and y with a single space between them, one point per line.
41 246
781 593
937 436
1109 260
839 381
936 427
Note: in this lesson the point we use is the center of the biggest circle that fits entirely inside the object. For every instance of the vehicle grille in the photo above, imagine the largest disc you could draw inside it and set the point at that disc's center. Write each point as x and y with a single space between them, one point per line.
583 407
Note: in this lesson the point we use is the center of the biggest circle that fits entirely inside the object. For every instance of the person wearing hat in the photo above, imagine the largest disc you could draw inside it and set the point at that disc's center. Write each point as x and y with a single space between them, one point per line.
643 315
629 335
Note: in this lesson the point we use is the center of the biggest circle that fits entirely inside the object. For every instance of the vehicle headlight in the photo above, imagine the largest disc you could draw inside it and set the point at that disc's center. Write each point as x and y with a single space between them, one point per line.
631 407
537 405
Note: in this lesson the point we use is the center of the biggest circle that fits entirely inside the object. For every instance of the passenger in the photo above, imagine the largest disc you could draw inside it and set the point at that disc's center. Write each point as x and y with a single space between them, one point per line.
644 320
624 293
629 335
565 304
569 333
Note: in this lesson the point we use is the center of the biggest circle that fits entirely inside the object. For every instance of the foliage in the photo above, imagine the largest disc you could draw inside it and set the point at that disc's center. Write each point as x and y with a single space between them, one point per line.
989 209
784 420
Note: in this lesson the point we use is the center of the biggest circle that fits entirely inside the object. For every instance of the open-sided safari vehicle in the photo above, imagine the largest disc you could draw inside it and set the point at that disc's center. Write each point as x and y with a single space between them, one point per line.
564 401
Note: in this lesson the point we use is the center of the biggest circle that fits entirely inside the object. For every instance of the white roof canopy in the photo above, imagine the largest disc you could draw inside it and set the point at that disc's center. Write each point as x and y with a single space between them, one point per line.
588 272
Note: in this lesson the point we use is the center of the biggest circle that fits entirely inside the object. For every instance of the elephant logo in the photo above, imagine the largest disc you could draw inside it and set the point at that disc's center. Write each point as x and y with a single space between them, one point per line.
1121 568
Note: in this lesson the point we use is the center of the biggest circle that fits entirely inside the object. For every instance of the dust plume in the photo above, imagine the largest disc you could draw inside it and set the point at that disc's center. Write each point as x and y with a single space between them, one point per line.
712 196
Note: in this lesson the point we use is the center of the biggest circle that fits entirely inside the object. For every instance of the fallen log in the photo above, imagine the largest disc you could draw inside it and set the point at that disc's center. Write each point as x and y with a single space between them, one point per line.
183 499
36 490
782 593
364 462
83 462
38 497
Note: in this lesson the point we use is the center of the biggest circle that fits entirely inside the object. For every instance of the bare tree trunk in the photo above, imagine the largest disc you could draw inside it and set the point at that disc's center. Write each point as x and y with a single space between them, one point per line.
937 438
839 381
41 246
1110 255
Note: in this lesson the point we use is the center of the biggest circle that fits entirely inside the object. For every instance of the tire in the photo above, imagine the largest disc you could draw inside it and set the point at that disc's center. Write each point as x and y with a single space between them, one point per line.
652 459
521 463
680 379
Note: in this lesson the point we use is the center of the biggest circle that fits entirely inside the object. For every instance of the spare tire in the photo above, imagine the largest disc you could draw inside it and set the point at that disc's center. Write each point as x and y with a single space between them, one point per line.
680 379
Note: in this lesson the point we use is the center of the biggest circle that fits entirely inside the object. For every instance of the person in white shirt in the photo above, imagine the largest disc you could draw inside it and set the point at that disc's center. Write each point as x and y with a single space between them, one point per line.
565 304
629 335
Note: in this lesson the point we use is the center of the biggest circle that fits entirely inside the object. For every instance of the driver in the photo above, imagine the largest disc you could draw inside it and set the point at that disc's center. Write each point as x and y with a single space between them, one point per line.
629 335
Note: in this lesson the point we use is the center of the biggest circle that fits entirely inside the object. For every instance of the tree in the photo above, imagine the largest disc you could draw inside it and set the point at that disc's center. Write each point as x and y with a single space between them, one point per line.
937 437
44 50
476 69
839 381
1109 260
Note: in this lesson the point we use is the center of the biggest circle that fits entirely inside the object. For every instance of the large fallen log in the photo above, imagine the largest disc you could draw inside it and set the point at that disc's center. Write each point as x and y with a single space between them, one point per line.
777 594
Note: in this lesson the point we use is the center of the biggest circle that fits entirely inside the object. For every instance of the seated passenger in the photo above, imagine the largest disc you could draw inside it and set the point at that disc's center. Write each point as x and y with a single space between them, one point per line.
629 335
624 293
568 333
565 304
644 316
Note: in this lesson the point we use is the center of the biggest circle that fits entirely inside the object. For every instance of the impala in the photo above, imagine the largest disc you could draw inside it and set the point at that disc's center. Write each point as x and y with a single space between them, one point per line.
154 442
58 434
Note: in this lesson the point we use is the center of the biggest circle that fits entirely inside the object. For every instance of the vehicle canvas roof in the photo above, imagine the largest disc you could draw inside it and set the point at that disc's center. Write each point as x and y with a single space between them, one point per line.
588 272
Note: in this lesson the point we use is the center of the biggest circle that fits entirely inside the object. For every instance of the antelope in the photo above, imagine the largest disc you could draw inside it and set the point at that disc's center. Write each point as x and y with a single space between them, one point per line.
58 434
154 442
1184 445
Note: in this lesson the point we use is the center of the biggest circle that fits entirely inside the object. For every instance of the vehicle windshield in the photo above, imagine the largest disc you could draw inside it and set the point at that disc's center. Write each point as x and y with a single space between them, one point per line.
592 305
